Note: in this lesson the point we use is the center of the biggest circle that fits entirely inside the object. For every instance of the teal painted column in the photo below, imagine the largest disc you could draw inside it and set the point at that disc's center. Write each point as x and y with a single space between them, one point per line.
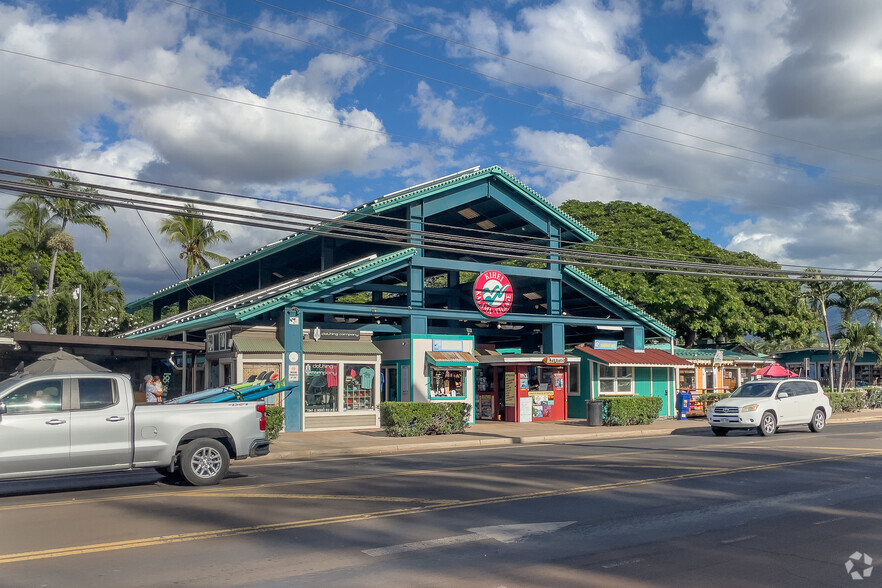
553 338
293 343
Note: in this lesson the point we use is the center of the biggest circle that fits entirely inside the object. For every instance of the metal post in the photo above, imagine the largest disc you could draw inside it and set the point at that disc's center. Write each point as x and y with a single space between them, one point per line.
78 296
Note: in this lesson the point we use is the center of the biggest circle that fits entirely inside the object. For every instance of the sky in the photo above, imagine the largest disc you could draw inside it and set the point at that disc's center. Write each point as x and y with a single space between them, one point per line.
757 122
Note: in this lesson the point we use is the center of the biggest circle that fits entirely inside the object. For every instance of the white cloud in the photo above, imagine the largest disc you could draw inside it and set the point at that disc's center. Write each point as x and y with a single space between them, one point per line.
454 124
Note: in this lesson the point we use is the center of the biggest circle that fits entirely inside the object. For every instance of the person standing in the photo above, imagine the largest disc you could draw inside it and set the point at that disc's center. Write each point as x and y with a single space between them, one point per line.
149 389
159 390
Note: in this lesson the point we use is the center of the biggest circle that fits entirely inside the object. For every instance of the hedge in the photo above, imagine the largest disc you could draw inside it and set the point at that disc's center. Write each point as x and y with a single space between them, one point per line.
411 419
631 410
848 401
275 420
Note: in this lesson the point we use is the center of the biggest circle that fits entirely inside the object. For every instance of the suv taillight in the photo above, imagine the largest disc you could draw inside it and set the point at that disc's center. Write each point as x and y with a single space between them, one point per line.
261 408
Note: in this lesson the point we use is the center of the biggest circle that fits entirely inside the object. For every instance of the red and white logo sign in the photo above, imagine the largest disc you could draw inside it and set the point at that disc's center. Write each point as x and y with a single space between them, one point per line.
493 294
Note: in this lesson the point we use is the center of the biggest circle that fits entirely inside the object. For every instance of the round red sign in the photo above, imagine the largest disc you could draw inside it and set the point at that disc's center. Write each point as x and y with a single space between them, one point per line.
493 294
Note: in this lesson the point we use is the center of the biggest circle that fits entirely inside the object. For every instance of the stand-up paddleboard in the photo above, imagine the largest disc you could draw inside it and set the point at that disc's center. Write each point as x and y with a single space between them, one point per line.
201 396
240 394
259 394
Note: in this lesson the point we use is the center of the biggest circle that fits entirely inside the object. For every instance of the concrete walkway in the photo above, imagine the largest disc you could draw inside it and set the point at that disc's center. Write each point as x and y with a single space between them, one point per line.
322 444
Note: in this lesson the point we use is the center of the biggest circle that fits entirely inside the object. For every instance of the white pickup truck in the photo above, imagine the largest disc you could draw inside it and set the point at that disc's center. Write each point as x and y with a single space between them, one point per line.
58 424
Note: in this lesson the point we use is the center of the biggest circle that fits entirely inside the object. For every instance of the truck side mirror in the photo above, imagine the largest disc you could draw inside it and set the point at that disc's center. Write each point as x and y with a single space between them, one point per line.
783 395
2 408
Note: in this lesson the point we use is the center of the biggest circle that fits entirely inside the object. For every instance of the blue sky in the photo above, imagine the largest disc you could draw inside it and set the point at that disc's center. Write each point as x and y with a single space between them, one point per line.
756 122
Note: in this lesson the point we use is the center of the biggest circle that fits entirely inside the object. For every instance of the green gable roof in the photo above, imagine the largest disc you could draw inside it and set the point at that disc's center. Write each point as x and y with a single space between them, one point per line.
585 280
384 205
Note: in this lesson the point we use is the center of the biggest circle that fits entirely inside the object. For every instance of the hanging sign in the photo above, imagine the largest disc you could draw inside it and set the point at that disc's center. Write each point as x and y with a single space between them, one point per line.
493 294
606 345
554 360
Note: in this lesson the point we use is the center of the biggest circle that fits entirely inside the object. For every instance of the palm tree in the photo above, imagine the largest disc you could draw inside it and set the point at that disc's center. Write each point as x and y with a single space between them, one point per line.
68 210
31 226
817 293
102 298
853 339
853 296
195 236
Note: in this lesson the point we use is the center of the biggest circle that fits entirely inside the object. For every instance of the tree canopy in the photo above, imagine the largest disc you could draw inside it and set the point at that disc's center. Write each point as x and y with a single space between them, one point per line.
696 307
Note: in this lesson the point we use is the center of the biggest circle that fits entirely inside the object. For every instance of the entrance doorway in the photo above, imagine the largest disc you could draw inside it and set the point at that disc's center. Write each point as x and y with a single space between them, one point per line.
389 384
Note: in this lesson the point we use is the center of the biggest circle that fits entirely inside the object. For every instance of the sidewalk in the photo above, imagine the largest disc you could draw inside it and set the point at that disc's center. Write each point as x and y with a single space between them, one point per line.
322 444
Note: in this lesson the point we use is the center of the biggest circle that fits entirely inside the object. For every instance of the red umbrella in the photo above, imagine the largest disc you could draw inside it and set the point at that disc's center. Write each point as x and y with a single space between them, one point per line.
775 370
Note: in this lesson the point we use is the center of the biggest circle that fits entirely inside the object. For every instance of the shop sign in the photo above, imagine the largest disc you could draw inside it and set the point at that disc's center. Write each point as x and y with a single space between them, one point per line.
606 345
493 294
319 333
554 360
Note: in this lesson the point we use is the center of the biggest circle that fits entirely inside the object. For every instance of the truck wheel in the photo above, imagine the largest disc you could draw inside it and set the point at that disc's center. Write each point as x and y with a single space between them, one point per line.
720 431
819 420
204 462
768 425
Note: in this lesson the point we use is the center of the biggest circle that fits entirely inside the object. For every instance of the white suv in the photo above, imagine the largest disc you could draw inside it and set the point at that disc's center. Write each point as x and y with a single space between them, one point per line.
765 405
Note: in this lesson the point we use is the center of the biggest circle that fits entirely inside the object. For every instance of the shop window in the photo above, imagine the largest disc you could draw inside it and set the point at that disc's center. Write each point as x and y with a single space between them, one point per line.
321 385
446 383
687 380
358 386
616 380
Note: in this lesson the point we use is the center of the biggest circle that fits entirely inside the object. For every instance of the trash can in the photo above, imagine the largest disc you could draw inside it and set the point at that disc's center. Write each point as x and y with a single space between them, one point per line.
595 412
682 403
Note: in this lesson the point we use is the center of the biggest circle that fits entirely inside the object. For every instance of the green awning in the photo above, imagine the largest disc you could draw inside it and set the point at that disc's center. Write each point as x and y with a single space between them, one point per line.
330 346
244 344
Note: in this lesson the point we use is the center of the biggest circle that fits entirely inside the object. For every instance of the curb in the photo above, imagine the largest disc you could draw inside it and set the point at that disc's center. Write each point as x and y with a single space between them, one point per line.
609 433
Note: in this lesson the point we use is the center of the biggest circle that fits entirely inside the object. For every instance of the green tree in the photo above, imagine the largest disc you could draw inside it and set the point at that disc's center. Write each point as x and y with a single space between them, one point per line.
695 306
195 235
103 301
853 339
852 297
32 228
818 292
67 211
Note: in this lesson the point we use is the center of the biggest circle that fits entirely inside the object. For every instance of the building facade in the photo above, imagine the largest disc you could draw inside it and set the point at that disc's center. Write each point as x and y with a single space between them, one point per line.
452 290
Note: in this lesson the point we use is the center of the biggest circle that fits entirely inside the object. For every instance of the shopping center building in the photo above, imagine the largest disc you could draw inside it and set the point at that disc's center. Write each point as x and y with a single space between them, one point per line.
452 290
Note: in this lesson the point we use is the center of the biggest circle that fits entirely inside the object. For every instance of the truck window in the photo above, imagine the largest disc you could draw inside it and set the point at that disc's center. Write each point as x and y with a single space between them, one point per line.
97 393
41 396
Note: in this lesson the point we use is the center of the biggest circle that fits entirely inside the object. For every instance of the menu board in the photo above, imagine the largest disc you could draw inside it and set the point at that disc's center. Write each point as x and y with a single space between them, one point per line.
511 390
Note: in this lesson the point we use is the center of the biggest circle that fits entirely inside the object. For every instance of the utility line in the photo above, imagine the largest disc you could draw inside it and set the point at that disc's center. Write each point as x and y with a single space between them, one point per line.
398 236
788 168
522 238
519 86
593 84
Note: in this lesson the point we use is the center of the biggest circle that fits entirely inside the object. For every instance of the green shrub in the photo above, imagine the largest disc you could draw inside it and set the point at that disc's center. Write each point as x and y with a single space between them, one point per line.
411 419
873 397
849 401
275 419
631 410
712 397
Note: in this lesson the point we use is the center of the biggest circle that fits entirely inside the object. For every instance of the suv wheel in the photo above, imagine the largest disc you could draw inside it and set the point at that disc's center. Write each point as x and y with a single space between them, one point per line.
818 422
768 425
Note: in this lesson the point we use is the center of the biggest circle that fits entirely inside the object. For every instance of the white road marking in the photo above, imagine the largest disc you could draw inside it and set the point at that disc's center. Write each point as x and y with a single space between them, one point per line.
737 539
501 533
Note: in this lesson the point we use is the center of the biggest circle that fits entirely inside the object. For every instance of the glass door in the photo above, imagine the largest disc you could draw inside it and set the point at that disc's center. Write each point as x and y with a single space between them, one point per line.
389 384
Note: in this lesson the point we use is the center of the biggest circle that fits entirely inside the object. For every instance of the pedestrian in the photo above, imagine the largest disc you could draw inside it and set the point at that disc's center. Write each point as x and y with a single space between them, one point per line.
149 389
159 391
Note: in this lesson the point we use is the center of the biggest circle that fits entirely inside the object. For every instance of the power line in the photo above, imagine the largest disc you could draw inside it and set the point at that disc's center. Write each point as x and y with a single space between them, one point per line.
403 237
589 83
522 238
788 168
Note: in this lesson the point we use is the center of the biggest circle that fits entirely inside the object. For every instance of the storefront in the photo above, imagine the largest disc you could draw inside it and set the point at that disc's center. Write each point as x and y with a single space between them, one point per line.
620 371
340 380
524 387
385 314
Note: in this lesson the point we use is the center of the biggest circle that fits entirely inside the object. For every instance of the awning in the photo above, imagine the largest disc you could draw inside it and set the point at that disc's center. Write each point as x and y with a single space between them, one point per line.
450 358
332 347
625 357
244 344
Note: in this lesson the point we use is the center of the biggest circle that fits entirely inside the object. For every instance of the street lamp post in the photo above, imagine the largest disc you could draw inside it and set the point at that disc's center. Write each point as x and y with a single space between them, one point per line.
78 296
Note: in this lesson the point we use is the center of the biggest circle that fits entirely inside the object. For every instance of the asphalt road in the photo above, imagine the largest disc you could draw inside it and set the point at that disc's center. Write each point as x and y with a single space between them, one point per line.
683 510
